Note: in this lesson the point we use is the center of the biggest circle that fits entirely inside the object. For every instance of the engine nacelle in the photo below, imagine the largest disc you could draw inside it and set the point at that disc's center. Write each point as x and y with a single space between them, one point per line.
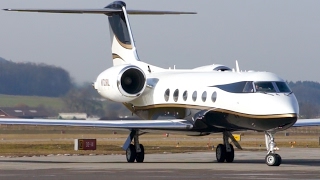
122 83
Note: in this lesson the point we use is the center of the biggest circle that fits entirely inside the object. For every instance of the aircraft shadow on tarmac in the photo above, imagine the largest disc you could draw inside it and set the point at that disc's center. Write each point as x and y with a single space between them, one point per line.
301 162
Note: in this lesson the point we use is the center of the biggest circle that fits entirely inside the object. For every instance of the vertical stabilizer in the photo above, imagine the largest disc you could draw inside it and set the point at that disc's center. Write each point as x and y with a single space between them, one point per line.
123 47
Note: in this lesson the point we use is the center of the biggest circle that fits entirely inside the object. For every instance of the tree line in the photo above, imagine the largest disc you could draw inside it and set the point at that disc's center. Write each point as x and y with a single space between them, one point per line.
33 79
308 96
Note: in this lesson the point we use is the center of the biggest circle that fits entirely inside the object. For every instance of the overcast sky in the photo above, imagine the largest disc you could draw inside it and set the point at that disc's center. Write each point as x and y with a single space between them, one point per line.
277 36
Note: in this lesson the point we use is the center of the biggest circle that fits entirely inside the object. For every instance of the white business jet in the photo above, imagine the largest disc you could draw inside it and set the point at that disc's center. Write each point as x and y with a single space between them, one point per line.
198 102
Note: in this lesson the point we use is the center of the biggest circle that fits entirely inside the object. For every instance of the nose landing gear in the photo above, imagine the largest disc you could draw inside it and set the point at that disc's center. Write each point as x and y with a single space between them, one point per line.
272 159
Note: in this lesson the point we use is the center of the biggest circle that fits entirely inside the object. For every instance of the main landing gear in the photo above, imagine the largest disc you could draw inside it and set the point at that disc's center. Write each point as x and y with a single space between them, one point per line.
272 159
225 151
135 151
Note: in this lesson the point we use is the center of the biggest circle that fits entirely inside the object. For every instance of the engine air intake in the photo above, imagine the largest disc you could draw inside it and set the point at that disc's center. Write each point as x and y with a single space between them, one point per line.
132 81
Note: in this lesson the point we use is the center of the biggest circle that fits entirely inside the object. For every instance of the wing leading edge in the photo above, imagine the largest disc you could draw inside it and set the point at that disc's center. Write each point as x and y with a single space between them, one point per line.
175 124
106 11
307 122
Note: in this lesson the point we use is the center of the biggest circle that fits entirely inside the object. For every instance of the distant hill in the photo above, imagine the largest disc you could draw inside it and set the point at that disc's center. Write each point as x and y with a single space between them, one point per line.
33 79
306 91
308 96
3 60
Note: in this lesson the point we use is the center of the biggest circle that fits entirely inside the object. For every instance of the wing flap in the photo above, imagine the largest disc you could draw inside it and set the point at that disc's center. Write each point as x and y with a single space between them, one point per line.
175 124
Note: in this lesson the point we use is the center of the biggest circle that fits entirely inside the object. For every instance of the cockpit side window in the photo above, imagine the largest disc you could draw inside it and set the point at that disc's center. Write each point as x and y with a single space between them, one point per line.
237 87
283 87
264 87
248 87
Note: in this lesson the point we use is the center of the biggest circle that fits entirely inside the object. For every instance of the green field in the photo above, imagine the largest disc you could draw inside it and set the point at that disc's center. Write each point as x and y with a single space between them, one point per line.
20 140
31 101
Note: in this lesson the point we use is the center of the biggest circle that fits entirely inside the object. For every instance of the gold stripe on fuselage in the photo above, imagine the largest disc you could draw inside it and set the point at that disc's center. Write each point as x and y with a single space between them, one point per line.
265 116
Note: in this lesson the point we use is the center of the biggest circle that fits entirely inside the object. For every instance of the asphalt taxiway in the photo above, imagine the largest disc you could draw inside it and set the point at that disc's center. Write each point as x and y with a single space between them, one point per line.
298 163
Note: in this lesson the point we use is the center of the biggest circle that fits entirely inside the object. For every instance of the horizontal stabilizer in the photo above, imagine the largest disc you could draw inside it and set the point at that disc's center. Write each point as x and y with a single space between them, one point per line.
144 12
106 11
77 11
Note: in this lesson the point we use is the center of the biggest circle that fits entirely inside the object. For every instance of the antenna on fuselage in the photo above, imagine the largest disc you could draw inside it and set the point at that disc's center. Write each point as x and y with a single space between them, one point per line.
237 66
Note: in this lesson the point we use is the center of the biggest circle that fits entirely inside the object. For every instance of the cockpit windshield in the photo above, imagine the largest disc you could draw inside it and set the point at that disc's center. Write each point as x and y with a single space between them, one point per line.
264 87
269 87
257 86
283 87
248 87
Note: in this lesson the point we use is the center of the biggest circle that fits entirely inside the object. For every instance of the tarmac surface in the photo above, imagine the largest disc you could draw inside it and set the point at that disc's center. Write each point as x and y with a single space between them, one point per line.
297 163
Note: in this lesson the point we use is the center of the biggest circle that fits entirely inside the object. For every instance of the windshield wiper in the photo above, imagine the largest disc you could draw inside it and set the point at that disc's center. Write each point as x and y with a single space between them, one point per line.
265 92
289 93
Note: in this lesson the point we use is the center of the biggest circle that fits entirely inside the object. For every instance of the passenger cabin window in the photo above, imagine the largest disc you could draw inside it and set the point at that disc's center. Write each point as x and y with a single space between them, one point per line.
264 87
204 96
167 95
214 97
194 96
185 95
176 95
283 87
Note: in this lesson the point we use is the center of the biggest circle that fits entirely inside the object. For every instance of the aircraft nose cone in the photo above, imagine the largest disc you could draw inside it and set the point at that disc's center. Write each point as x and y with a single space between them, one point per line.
289 104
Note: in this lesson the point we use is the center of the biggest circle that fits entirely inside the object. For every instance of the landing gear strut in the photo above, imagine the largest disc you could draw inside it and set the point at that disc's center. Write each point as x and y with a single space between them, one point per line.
272 159
225 151
135 151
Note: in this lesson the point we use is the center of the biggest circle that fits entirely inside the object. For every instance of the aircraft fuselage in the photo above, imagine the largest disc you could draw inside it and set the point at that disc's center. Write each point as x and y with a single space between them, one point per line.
216 101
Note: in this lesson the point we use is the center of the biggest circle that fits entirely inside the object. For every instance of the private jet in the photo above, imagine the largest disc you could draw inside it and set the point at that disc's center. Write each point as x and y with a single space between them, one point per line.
198 102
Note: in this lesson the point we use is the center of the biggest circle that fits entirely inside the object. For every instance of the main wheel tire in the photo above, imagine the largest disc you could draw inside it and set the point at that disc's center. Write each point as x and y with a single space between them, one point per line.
140 155
230 155
272 159
131 153
221 153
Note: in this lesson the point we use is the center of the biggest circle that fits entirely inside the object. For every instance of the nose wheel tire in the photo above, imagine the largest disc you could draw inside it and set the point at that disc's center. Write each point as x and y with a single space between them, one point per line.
279 160
273 159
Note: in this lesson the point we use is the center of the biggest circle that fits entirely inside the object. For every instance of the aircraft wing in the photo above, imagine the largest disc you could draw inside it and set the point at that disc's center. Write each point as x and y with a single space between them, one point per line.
307 122
174 124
